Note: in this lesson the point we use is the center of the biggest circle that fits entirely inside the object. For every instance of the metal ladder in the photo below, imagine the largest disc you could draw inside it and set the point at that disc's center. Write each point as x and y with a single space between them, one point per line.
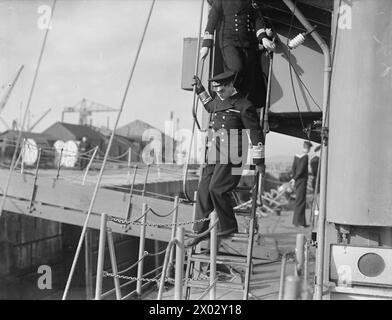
195 257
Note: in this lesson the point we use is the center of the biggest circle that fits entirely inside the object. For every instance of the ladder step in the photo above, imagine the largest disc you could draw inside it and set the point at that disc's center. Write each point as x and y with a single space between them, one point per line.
221 259
204 284
243 212
243 188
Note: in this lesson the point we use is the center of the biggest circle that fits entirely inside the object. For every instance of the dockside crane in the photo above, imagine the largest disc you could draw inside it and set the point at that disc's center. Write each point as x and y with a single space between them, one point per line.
85 108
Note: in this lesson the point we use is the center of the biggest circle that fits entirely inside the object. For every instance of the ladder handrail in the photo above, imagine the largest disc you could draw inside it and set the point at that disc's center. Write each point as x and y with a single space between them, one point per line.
194 106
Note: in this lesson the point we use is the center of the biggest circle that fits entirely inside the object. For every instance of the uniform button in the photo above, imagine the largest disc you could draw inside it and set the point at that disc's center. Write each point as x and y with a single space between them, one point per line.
223 117
236 25
236 30
213 139
214 114
223 125
222 133
248 29
223 140
236 20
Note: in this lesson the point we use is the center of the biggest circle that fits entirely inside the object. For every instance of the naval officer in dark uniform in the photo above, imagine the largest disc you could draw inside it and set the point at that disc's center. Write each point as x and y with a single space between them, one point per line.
241 28
234 119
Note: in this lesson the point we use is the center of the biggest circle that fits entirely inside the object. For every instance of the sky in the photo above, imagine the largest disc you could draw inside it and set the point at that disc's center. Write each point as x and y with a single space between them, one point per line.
89 54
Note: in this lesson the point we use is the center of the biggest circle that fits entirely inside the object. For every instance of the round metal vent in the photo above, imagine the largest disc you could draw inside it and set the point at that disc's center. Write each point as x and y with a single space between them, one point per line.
371 265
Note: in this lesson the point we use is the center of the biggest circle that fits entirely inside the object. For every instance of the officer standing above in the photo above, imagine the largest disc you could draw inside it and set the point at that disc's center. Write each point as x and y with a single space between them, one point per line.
241 28
231 115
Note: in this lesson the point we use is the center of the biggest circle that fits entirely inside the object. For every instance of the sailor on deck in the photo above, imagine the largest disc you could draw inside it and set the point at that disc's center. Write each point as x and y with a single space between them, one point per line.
231 115
241 28
300 180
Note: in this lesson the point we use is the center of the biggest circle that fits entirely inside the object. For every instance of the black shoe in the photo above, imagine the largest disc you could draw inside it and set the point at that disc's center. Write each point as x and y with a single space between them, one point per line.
195 241
227 232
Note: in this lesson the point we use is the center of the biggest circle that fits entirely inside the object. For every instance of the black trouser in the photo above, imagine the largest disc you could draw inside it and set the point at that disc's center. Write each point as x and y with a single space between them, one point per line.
246 63
214 193
299 218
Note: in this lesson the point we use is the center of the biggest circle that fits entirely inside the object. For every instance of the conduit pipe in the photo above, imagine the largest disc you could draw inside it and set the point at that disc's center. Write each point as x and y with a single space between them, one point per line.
324 152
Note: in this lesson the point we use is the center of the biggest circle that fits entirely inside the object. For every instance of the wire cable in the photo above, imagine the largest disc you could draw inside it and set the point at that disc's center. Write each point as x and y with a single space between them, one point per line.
107 152
26 111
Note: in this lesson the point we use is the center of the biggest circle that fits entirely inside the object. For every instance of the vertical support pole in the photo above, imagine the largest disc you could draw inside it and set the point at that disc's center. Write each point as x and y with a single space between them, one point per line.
299 254
141 250
179 264
282 276
59 164
157 263
113 260
34 191
129 164
213 254
129 213
101 257
305 273
145 181
292 288
173 235
21 157
88 264
198 247
89 165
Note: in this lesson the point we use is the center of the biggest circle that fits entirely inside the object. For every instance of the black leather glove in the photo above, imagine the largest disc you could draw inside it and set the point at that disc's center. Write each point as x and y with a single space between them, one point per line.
198 85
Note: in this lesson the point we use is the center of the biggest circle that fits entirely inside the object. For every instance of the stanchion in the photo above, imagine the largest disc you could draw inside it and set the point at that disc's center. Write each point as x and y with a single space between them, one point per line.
170 271
213 254
113 261
299 254
89 165
129 164
292 288
141 250
179 264
101 257
282 276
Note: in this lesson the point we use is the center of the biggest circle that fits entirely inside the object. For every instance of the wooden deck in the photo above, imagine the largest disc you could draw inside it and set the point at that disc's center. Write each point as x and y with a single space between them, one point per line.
66 200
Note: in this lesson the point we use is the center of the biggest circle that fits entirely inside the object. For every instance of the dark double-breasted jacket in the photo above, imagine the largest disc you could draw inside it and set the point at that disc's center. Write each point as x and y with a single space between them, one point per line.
239 23
234 122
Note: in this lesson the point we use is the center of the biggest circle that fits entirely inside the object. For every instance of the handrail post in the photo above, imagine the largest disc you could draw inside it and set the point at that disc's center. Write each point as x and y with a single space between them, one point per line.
299 254
59 164
21 157
141 250
129 164
101 256
129 212
292 288
213 254
179 264
170 271
34 191
282 276
113 261
164 268
89 165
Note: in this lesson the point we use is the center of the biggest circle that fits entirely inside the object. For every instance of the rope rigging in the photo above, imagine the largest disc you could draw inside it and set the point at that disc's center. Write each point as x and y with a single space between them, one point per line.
18 141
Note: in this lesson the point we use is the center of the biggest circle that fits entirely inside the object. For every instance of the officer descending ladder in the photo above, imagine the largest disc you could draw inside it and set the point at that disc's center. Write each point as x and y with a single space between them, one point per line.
234 122
233 118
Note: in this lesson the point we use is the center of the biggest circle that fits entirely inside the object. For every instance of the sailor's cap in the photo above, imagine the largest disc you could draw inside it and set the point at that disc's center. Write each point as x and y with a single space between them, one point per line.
222 78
